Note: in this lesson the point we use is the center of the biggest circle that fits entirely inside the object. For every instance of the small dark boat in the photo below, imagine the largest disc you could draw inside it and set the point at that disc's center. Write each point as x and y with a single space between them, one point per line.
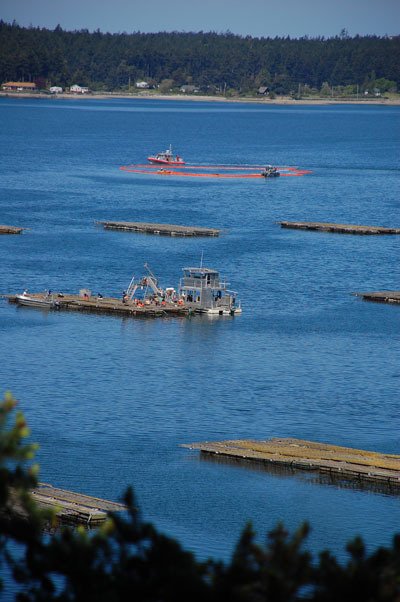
270 172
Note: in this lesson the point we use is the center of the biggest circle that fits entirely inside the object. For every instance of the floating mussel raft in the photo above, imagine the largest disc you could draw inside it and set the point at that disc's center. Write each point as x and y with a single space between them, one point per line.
162 229
381 296
11 230
342 462
100 305
339 228
72 507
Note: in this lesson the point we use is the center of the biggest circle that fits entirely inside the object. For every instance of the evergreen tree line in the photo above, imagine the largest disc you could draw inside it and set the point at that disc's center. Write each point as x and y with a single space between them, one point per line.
212 62
128 559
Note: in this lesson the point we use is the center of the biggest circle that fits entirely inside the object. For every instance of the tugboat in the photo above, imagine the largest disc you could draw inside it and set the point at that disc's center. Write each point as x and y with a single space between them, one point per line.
270 172
166 158
202 291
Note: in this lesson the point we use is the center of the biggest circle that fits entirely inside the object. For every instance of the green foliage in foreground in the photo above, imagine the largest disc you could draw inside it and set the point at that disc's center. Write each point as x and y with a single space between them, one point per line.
128 559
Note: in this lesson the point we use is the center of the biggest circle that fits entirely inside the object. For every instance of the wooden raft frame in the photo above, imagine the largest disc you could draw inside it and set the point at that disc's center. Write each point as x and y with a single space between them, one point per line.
339 228
74 507
10 230
163 229
354 464
104 305
381 296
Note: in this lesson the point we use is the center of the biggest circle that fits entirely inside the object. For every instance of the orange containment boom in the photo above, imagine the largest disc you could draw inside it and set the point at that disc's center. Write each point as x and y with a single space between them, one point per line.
211 171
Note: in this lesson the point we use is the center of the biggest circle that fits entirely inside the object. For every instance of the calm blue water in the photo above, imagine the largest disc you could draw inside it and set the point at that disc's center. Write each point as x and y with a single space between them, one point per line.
111 399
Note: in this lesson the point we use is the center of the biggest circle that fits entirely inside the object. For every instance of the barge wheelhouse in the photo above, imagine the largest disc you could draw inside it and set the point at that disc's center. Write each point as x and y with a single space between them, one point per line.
203 291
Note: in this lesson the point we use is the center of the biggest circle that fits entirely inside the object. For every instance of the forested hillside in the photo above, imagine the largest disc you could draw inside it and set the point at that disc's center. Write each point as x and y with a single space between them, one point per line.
210 61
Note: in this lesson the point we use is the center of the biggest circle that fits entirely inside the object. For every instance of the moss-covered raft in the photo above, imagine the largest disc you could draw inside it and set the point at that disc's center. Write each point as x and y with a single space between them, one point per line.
11 230
339 228
346 462
161 229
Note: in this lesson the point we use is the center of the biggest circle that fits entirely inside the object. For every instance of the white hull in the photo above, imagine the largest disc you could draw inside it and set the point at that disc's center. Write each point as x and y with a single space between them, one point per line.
220 311
166 158
172 162
34 302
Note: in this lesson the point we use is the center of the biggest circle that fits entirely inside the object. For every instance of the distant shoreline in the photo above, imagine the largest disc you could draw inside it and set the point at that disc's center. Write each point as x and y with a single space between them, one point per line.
262 101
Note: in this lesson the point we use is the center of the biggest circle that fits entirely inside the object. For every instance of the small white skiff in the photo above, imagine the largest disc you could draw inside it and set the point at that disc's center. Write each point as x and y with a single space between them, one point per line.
31 301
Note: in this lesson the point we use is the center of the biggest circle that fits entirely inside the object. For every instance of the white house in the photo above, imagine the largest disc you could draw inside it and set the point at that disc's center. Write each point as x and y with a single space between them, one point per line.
75 89
142 85
55 90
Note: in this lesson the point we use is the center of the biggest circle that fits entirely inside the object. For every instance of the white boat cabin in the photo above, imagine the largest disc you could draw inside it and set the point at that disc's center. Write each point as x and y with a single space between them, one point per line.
202 290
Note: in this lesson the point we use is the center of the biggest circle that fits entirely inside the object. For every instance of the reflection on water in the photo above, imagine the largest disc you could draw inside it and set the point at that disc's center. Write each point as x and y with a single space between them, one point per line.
311 475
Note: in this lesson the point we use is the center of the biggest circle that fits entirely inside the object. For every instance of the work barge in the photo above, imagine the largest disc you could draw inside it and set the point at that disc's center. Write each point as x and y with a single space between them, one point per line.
74 508
201 290
100 305
339 228
360 466
161 229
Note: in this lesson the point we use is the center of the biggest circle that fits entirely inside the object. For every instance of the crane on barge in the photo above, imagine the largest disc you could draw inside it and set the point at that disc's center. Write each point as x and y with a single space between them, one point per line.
145 283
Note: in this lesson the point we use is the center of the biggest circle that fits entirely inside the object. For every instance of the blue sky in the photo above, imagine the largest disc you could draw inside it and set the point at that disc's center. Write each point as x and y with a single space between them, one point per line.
266 18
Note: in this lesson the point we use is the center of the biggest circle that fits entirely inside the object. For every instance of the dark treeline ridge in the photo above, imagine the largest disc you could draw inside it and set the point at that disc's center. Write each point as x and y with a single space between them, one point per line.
213 62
